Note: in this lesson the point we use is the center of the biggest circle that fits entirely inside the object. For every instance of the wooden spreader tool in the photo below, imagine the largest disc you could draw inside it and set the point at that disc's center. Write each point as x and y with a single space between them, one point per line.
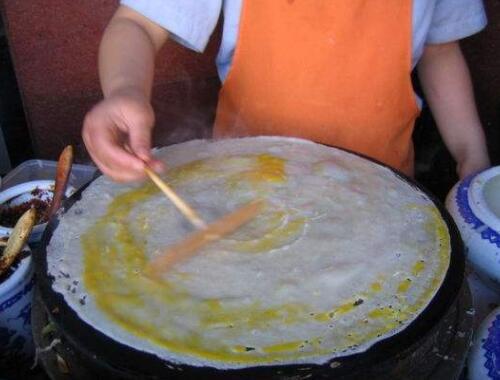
183 207
204 234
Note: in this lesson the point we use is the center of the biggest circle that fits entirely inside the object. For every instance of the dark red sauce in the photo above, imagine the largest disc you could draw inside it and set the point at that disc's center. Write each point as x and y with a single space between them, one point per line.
9 215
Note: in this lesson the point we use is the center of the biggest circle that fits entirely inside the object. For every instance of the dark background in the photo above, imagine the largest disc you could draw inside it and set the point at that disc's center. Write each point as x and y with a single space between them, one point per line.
48 80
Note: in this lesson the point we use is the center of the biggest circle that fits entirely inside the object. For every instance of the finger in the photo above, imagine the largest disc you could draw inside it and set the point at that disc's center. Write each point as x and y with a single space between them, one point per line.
138 122
114 172
118 175
140 142
122 163
157 165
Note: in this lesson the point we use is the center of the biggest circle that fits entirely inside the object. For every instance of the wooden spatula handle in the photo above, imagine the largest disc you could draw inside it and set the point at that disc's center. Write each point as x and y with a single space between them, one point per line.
198 239
183 207
62 175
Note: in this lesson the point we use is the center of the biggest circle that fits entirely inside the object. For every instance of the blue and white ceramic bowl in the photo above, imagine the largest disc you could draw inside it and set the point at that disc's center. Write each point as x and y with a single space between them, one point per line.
474 204
484 358
16 341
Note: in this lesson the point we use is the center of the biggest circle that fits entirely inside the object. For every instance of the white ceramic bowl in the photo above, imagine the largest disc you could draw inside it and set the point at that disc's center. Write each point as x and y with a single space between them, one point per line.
15 310
483 360
22 193
474 204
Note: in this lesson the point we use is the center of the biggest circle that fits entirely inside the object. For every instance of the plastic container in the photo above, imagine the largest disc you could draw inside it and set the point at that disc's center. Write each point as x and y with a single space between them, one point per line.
32 170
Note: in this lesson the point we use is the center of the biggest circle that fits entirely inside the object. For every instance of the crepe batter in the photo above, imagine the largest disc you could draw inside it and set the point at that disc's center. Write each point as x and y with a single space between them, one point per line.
344 254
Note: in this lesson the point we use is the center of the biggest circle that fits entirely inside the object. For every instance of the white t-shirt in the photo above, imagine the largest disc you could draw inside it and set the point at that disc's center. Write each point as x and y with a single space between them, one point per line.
191 22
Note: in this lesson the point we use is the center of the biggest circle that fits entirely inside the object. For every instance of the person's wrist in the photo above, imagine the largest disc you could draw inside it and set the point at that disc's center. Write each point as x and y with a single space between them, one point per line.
472 162
129 92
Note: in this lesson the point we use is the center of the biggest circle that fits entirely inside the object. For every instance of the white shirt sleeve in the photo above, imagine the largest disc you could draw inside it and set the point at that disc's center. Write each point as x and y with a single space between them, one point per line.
189 22
456 19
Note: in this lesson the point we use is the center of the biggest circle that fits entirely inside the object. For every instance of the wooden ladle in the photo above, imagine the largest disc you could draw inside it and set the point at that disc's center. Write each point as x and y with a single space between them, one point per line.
62 175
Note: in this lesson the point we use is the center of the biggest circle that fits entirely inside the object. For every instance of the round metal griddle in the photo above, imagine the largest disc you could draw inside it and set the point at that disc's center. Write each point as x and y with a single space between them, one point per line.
116 360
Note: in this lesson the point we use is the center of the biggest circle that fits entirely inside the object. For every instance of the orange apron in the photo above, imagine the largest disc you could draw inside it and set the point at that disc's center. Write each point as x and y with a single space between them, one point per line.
337 72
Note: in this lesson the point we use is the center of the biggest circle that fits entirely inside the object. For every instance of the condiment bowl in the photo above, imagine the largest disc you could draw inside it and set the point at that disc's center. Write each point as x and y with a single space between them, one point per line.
26 192
474 203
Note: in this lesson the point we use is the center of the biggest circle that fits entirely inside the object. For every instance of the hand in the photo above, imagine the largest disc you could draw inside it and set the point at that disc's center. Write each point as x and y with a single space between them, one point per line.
117 134
473 163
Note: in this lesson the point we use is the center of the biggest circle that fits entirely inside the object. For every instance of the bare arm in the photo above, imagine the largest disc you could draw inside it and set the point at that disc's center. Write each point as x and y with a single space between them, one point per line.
127 52
447 86
117 131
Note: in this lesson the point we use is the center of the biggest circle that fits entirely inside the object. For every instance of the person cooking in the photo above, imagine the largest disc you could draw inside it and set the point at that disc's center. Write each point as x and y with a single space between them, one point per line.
337 72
